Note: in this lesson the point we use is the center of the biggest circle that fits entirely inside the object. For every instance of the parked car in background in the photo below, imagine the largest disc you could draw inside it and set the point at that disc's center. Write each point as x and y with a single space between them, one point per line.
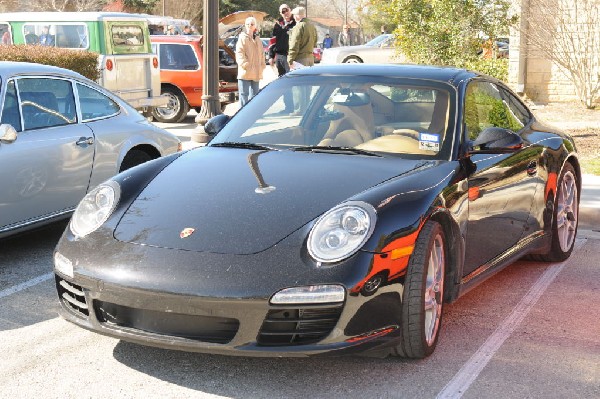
60 136
125 59
181 75
344 227
379 50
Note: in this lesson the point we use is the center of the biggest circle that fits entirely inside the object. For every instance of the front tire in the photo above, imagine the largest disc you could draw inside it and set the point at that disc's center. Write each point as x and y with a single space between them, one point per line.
422 300
175 110
565 217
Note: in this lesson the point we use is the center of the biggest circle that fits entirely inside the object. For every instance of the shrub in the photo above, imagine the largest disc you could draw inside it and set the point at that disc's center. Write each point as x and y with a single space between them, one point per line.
83 62
497 68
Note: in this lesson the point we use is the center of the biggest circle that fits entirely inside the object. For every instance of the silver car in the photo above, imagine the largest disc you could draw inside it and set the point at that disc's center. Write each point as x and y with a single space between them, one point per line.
61 135
380 50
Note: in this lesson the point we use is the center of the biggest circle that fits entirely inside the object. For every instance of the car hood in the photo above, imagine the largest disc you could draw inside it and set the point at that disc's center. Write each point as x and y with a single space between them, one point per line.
240 201
231 24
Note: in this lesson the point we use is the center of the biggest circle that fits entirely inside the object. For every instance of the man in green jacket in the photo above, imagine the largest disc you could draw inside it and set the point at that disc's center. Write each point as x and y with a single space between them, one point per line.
303 40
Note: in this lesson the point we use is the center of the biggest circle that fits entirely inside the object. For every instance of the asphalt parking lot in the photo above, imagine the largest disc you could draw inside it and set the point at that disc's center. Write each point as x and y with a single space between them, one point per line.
531 331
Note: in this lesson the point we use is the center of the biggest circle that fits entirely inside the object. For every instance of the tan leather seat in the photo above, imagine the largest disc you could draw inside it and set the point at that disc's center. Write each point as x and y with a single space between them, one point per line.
355 127
439 118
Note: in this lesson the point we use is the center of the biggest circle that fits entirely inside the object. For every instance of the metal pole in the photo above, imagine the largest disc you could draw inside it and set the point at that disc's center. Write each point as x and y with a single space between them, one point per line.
211 105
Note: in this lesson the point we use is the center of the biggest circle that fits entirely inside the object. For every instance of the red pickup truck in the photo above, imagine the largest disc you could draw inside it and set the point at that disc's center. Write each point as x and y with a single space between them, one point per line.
180 63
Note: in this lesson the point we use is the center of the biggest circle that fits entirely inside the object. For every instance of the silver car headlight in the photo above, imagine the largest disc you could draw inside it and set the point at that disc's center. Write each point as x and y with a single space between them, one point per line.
95 208
341 231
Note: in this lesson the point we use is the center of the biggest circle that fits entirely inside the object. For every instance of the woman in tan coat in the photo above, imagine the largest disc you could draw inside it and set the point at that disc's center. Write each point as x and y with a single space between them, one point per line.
249 55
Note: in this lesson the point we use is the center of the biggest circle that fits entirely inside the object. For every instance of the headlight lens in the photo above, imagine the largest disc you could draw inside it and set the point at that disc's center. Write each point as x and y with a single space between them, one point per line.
341 232
95 208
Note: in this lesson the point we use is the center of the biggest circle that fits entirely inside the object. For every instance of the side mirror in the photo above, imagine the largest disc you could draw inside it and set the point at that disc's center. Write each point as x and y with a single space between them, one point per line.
8 134
215 124
496 140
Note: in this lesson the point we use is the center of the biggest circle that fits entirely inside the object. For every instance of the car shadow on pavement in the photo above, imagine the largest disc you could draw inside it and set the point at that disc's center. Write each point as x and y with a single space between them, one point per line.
256 377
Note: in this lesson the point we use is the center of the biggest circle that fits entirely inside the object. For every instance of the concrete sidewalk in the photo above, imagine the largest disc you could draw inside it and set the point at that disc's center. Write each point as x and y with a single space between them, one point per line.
589 207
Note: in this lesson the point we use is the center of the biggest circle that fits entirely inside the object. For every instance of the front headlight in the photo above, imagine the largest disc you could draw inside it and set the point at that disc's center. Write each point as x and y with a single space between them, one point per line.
95 208
341 232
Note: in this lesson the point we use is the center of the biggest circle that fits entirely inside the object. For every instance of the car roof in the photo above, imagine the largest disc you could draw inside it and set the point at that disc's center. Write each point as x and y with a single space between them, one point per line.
18 68
175 38
55 16
444 74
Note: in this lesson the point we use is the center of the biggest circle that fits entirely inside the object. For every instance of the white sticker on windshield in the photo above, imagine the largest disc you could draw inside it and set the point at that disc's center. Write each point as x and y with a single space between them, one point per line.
429 141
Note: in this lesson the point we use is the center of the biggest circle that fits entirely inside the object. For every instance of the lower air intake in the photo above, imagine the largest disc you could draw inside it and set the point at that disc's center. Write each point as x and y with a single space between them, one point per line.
298 326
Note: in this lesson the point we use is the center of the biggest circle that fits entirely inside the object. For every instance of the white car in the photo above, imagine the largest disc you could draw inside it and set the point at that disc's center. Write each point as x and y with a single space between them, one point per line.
380 50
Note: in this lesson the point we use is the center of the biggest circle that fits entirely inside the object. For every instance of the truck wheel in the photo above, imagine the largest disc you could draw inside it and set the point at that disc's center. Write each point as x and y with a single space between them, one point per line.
175 110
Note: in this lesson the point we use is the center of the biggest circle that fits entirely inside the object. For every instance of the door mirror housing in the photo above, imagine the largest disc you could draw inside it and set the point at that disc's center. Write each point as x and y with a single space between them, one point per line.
215 124
493 140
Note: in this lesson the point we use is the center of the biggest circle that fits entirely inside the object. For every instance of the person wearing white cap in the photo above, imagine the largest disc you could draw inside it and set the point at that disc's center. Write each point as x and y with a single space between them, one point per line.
278 52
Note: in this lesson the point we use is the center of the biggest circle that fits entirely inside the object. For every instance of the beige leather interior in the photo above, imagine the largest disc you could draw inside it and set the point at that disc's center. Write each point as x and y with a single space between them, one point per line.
355 127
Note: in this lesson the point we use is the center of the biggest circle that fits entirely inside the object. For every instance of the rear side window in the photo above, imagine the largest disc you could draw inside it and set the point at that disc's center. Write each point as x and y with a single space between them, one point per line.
73 35
46 102
95 105
128 39
178 57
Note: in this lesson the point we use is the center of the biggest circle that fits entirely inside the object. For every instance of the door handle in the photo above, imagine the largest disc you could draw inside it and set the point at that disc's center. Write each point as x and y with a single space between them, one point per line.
85 141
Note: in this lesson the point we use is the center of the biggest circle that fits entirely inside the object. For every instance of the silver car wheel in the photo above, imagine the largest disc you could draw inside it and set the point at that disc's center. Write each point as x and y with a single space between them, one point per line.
171 109
566 215
434 289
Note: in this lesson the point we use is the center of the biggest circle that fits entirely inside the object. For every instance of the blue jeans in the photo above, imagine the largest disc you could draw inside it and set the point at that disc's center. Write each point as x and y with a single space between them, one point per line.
247 89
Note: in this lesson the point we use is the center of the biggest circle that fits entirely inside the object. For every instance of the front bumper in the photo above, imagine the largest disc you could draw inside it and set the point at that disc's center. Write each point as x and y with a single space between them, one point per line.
141 304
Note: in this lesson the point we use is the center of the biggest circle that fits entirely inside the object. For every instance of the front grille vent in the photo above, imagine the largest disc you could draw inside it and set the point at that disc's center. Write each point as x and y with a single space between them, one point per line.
71 295
298 326
213 329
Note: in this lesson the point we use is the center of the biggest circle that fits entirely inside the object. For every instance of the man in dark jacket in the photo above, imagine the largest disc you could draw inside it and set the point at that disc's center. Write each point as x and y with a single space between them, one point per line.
281 30
279 50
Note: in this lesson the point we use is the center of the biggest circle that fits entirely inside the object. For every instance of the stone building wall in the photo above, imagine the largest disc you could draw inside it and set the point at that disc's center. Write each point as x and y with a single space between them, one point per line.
530 73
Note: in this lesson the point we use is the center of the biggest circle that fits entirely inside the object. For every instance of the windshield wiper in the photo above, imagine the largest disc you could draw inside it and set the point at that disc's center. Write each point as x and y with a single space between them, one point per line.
336 150
235 144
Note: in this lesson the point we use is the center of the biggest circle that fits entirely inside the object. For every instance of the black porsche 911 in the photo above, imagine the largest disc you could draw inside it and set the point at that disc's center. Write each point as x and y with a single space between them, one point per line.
336 213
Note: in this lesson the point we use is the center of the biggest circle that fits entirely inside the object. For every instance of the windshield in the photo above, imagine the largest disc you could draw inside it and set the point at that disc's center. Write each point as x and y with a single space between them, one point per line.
412 118
378 41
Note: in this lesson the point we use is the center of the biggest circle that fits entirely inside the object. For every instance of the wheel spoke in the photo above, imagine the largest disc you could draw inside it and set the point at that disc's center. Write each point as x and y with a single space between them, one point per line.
566 215
433 295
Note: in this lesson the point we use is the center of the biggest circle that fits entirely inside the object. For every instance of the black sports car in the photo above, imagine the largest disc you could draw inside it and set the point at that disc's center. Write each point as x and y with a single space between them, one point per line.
335 213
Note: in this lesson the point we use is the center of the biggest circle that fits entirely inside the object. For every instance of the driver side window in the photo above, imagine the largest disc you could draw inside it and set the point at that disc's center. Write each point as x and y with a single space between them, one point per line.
485 107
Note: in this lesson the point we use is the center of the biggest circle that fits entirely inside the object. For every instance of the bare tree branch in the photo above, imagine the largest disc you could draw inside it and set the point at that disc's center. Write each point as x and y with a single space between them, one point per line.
568 34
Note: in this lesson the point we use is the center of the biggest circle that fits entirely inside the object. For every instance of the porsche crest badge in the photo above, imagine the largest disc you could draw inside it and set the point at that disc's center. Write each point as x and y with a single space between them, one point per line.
185 233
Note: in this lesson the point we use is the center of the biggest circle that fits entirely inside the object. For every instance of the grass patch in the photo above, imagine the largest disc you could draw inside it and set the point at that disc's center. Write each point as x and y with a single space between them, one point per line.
591 166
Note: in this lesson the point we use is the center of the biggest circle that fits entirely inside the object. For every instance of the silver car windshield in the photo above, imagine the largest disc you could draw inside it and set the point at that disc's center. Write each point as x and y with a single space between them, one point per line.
410 118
